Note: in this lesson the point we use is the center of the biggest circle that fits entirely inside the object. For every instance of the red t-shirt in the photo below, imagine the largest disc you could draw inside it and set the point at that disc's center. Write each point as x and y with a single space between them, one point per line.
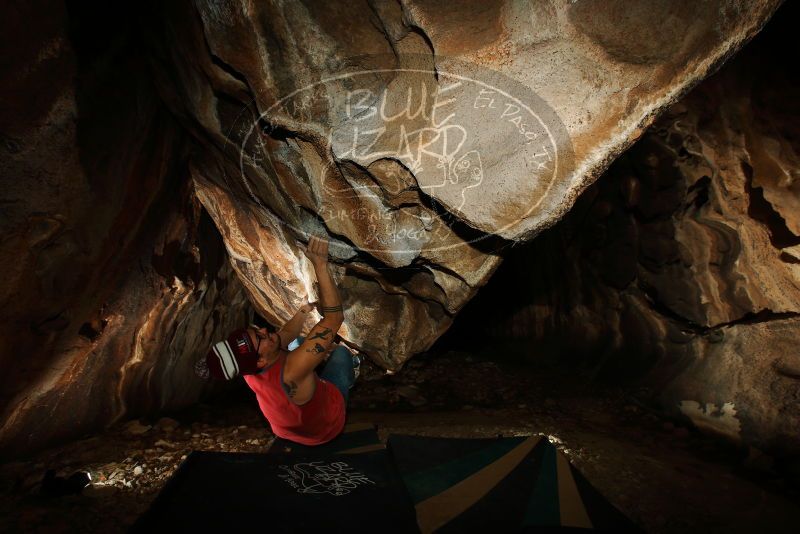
317 421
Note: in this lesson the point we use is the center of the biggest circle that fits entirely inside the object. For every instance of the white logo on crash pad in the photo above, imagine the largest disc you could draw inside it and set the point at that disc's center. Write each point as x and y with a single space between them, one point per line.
335 478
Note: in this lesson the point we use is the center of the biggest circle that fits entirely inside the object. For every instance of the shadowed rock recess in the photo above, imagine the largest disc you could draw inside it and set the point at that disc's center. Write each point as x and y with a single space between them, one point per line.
682 263
163 162
113 279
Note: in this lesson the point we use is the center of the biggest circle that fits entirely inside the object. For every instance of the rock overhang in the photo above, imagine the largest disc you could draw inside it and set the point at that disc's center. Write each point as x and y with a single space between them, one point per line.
418 136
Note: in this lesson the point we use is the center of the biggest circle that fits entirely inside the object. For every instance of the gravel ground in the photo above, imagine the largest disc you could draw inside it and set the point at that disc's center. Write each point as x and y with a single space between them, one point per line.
666 477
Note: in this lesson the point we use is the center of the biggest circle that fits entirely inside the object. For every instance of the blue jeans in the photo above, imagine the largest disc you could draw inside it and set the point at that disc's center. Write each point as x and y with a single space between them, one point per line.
338 369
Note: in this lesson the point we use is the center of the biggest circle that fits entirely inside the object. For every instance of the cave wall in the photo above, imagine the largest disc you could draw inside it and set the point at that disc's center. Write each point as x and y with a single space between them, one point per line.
114 279
544 96
679 269
151 187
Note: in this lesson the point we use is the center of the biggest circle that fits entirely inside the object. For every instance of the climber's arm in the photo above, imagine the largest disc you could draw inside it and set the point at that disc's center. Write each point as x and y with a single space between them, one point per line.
330 304
317 344
293 326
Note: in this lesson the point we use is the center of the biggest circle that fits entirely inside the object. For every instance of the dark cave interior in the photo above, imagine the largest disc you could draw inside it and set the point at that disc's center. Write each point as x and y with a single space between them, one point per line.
649 330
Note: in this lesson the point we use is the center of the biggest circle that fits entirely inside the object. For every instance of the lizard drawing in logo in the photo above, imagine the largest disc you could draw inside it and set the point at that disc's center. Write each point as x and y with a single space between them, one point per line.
336 478
466 171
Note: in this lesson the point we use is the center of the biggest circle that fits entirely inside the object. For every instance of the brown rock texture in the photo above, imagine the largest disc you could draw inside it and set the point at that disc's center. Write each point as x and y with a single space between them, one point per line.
422 138
419 136
679 268
114 280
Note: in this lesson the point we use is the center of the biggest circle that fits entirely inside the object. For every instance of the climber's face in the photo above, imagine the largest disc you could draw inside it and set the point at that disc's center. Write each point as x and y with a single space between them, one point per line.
267 344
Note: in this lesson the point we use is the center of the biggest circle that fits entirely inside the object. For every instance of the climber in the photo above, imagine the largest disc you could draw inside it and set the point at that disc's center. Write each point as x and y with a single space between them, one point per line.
279 367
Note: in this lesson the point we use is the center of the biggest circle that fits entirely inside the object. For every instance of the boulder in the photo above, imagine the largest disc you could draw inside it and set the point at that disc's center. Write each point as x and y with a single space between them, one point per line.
420 137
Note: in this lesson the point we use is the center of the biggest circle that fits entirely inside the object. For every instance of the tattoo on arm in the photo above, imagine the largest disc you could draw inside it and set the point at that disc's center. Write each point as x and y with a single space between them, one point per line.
319 349
330 309
290 388
321 335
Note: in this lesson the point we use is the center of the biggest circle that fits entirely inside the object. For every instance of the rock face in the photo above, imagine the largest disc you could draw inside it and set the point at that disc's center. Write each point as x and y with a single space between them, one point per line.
680 266
113 278
419 136
422 138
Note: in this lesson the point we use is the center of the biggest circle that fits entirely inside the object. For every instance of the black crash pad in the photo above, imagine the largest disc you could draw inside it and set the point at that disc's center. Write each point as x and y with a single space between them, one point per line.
282 493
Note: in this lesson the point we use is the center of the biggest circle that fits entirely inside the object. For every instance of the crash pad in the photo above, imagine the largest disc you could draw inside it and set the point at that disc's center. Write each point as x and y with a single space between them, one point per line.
518 484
